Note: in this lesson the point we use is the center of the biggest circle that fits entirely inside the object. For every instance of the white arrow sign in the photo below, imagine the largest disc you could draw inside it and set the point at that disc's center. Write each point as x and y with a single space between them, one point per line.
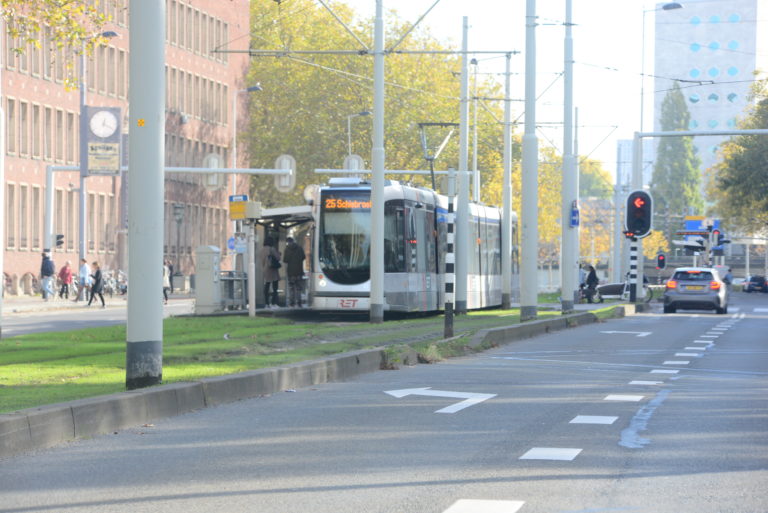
636 333
469 398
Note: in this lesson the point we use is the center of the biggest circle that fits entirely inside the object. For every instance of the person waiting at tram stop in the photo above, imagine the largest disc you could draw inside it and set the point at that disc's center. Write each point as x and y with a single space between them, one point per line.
270 271
294 263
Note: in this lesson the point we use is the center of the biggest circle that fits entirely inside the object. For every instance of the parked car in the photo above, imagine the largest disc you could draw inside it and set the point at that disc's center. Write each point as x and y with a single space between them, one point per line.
755 283
696 288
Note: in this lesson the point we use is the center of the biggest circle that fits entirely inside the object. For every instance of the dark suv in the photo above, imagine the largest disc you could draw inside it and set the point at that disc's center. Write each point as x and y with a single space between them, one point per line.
755 283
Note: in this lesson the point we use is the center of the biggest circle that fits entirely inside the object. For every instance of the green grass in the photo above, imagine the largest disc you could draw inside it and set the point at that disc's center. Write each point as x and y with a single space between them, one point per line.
46 368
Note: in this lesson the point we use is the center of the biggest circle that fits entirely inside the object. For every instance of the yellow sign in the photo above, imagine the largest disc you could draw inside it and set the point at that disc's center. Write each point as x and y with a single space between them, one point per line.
237 209
103 158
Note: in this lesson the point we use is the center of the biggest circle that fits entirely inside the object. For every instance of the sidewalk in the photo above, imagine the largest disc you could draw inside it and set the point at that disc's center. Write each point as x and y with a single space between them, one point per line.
27 304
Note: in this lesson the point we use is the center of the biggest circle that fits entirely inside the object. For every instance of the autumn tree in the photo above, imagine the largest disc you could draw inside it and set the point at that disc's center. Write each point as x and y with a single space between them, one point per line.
740 187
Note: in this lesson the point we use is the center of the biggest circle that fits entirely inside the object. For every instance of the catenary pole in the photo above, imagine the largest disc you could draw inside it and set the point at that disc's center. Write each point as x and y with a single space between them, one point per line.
2 187
570 194
462 209
144 340
506 193
82 192
376 314
529 228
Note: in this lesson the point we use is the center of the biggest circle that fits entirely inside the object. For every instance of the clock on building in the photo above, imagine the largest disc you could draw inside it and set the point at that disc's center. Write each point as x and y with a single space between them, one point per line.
103 123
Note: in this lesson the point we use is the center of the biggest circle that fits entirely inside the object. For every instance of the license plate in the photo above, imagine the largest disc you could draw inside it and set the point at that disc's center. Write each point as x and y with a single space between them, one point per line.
695 287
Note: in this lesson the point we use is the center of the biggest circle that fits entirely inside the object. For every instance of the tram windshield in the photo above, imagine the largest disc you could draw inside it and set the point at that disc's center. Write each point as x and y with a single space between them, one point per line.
345 235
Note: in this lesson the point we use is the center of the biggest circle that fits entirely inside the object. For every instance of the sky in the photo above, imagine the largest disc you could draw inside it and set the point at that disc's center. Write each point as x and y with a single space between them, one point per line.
608 51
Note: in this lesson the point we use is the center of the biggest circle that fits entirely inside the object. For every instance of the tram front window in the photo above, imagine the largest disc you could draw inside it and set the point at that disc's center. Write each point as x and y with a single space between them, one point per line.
345 236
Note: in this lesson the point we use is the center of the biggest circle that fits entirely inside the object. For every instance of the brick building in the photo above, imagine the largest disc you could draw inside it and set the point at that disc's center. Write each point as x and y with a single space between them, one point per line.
42 120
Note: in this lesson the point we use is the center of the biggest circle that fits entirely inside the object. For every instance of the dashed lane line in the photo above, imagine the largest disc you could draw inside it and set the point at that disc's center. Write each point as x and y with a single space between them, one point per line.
551 453
593 419
484 506
623 397
677 362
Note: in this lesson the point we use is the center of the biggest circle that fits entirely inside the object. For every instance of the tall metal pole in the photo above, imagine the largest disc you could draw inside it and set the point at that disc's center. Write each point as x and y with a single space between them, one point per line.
636 248
83 253
530 186
2 188
569 255
450 257
506 193
144 340
618 237
377 183
462 209
475 171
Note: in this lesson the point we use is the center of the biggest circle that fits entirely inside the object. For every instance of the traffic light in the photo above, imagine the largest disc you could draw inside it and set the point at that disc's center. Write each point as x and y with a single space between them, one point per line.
639 218
59 240
661 261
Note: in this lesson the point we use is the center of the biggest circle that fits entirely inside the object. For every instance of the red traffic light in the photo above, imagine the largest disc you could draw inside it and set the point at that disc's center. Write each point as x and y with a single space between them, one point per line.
639 202
639 214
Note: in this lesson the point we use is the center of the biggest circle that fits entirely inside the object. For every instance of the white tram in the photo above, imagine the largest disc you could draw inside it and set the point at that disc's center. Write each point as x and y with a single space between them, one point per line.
414 249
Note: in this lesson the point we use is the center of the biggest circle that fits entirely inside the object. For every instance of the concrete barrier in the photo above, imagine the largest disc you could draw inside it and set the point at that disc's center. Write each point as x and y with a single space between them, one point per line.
48 426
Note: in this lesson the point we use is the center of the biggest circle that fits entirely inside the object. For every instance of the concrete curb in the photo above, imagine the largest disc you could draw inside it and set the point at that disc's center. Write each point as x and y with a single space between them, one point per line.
47 426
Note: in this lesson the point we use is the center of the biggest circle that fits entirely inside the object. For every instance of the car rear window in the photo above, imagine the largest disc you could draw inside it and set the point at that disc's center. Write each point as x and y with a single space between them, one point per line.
693 276
758 279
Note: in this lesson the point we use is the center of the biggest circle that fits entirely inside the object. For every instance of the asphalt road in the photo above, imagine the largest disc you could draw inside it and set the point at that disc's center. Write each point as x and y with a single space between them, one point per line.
654 413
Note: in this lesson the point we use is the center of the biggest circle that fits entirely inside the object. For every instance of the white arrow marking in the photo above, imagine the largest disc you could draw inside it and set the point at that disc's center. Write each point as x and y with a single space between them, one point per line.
636 333
469 398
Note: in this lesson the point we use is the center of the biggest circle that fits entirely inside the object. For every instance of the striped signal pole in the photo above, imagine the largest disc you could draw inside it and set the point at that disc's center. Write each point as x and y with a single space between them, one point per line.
450 271
633 270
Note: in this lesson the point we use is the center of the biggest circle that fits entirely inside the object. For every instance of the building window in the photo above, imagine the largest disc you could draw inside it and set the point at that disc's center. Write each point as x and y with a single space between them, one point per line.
36 138
23 217
121 75
111 76
101 63
72 213
48 134
10 216
10 142
91 221
101 213
172 22
36 212
24 128
59 136
72 135
61 208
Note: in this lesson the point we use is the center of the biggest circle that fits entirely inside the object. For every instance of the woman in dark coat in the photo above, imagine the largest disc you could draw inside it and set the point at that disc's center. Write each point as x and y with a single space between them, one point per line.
97 285
269 272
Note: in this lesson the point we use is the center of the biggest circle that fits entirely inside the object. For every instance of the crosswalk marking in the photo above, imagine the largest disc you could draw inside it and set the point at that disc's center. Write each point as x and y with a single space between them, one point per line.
593 419
484 506
622 397
551 453
677 362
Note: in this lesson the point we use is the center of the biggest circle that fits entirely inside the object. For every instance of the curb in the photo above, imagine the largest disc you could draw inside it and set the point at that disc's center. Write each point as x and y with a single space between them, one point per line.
47 426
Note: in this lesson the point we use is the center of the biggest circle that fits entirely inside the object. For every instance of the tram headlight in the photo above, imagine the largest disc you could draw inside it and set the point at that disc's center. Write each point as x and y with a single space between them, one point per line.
321 281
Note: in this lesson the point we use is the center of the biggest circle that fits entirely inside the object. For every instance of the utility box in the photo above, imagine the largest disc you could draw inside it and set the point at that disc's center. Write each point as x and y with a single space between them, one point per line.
207 286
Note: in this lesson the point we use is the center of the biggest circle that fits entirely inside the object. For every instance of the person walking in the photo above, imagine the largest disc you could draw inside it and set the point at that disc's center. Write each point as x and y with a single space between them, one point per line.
84 281
47 271
166 281
97 285
270 271
294 271
592 282
65 276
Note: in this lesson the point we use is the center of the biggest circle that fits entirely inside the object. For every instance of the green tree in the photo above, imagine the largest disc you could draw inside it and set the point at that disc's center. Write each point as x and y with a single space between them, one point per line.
676 180
740 187
594 181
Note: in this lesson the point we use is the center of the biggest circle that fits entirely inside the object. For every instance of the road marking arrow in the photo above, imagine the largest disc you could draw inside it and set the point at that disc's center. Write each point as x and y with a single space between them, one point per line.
636 333
469 398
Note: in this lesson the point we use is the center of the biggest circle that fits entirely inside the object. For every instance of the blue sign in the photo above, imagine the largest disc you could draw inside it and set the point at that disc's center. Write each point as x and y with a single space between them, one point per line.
574 217
231 243
239 197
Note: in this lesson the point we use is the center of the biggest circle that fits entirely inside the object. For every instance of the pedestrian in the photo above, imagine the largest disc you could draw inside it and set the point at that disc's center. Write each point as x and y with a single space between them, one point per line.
97 285
47 271
170 275
294 271
166 281
84 280
592 282
270 271
65 276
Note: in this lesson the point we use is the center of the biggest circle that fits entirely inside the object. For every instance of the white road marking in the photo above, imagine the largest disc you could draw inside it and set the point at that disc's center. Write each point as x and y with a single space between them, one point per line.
720 328
664 371
677 362
622 397
551 453
709 336
687 354
593 419
702 341
640 382
761 310
635 333
696 348
483 506
470 399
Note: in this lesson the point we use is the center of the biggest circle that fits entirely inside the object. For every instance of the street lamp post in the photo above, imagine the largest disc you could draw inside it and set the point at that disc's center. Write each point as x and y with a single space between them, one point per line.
349 128
251 89
84 145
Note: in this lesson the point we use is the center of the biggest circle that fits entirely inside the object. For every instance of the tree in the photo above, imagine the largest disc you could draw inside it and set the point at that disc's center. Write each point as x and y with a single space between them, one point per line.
675 184
67 24
594 181
654 244
740 187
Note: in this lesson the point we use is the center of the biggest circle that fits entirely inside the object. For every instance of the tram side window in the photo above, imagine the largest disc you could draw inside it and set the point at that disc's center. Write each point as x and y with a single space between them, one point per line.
394 237
431 242
475 255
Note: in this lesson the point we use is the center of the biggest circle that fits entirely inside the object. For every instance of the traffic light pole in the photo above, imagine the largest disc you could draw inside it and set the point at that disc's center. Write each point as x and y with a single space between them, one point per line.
633 270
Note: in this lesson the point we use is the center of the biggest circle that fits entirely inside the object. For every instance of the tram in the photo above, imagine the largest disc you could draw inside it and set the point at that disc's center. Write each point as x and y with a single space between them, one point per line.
415 233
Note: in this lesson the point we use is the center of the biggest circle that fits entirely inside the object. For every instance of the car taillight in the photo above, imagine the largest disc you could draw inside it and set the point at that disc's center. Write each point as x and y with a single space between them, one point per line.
714 285
671 284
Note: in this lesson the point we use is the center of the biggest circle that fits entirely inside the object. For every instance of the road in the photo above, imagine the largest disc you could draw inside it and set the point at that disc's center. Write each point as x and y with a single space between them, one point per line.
74 316
654 413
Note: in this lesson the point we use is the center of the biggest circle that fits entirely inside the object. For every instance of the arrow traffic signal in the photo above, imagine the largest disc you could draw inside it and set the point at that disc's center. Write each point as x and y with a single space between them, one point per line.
639 218
59 240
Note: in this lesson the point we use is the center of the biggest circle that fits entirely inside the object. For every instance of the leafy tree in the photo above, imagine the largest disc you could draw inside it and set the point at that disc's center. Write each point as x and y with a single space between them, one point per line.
594 181
675 184
69 24
740 187
654 244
